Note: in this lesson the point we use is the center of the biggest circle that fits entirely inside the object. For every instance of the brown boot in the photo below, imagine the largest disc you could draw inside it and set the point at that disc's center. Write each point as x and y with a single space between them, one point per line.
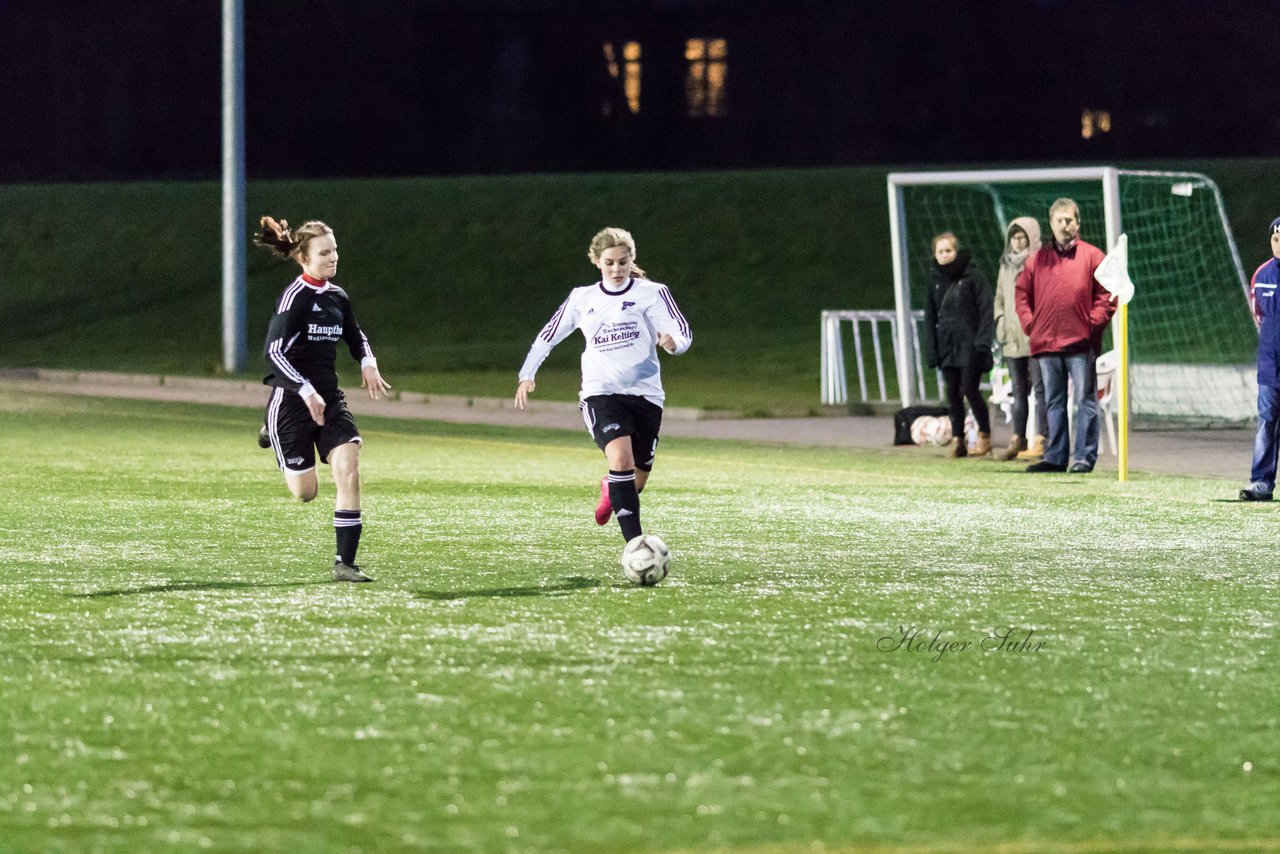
1035 452
1017 445
982 447
956 447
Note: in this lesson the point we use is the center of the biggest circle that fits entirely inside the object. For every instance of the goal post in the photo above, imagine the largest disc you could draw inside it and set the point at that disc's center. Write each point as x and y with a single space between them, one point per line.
1191 335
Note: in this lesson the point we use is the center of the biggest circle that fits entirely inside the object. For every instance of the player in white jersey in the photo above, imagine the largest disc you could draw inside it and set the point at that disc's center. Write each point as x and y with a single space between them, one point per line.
624 318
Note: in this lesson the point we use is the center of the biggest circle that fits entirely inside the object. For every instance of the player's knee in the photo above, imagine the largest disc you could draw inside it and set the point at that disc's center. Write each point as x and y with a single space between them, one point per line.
346 473
303 494
621 459
347 470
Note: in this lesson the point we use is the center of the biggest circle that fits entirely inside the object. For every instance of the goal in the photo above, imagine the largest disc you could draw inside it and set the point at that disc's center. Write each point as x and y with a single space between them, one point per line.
1191 336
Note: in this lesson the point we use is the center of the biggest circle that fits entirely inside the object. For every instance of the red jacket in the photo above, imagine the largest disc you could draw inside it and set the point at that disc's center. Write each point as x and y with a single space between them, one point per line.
1060 304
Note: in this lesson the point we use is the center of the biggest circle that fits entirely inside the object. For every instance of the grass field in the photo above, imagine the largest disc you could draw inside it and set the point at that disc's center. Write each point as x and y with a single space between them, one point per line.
179 674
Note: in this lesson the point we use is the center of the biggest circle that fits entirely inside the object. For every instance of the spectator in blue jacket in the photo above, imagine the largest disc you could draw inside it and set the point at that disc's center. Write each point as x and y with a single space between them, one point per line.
1262 296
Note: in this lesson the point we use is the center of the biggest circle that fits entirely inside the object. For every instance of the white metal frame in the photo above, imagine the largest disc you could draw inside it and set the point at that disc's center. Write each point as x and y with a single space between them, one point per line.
835 387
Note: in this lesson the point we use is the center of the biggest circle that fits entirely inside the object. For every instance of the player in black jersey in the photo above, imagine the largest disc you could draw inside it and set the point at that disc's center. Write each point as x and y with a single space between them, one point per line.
307 412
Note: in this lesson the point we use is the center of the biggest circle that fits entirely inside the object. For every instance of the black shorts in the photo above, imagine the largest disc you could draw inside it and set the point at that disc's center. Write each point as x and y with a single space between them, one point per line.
609 416
295 437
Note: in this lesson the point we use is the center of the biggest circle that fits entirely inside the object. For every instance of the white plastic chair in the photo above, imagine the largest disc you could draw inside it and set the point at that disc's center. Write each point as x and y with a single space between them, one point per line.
1107 366
1002 391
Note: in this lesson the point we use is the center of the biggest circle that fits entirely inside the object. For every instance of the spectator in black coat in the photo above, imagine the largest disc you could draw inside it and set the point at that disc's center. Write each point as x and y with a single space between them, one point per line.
960 325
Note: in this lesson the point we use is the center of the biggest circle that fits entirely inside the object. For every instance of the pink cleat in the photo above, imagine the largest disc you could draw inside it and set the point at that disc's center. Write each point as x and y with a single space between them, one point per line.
605 508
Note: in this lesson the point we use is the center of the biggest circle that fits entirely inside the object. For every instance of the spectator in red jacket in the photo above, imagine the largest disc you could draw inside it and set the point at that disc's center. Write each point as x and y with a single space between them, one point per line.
1064 310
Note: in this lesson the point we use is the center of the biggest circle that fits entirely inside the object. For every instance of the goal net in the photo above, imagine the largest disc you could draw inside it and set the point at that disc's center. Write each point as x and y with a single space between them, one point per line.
1191 337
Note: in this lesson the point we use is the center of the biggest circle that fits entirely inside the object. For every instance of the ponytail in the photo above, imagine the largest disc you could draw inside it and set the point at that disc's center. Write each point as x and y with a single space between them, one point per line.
285 243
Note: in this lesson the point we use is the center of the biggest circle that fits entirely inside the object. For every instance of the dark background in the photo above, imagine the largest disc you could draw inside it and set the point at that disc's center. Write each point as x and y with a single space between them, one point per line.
131 89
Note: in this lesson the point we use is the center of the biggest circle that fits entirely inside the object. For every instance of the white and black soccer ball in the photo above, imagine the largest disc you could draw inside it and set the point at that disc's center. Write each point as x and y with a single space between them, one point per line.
931 430
646 560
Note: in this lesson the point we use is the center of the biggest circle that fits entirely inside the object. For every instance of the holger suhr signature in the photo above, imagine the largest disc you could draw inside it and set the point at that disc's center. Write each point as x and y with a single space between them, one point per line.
1000 639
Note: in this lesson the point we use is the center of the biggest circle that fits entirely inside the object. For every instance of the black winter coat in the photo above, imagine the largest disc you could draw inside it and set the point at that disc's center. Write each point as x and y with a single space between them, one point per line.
959 319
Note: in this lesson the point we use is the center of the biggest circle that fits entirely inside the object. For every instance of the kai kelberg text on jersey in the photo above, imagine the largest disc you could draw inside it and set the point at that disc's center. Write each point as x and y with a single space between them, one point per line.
616 333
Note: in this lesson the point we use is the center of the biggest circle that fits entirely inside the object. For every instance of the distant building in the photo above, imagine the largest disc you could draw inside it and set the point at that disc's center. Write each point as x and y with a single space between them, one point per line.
130 89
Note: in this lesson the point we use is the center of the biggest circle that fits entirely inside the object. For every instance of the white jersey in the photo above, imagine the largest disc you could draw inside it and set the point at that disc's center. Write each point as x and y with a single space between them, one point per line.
621 328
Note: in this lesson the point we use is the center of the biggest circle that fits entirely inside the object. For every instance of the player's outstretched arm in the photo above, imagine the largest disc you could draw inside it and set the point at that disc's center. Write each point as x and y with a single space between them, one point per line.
371 379
523 390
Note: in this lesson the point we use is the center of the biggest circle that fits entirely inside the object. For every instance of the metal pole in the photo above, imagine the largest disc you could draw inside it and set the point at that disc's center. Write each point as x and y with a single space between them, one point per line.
901 290
1120 335
234 267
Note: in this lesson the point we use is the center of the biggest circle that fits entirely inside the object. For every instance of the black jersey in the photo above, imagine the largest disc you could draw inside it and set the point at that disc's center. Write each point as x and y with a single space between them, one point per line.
302 340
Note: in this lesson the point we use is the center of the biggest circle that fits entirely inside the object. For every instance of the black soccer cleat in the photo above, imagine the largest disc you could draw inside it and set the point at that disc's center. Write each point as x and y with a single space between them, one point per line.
264 440
1044 466
348 572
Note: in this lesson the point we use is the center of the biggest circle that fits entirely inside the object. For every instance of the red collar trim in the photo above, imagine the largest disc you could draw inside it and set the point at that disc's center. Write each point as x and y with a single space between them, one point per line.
315 283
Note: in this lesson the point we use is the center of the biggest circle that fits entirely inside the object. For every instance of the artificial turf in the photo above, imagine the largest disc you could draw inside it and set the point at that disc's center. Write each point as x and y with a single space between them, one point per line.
179 673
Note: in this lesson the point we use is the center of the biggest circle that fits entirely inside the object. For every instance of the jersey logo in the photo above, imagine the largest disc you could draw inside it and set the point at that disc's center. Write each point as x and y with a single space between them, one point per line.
316 332
611 427
626 305
294 461
591 311
315 307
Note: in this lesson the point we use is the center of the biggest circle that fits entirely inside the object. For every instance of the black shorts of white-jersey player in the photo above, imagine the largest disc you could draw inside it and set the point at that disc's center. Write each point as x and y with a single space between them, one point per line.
306 412
625 319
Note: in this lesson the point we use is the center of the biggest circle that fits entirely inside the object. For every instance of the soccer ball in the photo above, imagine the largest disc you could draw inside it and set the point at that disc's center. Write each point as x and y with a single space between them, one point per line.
931 430
646 560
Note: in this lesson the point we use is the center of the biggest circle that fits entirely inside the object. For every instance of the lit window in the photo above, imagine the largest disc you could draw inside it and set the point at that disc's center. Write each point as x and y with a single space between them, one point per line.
611 58
705 77
629 70
631 83
1094 122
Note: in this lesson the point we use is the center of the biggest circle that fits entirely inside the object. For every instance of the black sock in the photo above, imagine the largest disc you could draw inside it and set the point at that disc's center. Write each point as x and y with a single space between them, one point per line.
626 502
346 523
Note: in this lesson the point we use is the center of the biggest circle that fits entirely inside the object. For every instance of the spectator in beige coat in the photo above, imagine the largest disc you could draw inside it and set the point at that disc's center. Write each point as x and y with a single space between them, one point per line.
1022 238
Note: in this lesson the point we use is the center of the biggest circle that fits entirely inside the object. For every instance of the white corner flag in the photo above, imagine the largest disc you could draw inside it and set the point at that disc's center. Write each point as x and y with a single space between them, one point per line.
1113 272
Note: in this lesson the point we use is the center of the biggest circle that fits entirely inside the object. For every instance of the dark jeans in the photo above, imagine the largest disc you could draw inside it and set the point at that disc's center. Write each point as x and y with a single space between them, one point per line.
1025 374
962 385
1266 443
1082 371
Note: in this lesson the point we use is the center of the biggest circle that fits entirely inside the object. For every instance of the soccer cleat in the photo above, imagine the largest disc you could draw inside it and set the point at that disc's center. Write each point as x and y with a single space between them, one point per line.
1081 468
604 508
1254 493
1046 466
348 572
264 440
